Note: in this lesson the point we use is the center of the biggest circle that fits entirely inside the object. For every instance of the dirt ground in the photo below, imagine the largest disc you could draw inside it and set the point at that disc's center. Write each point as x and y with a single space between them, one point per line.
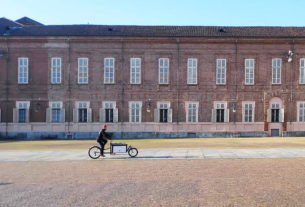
160 143
210 182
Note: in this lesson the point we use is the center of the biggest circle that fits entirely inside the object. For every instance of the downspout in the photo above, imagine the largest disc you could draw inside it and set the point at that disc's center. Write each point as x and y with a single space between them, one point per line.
235 82
69 88
177 84
6 89
122 89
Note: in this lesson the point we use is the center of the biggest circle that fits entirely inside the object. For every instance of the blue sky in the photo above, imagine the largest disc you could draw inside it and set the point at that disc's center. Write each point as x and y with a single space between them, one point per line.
159 12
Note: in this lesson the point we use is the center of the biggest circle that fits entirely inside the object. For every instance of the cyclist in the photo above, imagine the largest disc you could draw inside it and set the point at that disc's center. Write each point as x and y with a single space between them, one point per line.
102 139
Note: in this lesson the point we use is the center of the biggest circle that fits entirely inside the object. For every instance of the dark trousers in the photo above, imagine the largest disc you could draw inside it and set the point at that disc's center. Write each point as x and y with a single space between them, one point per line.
102 143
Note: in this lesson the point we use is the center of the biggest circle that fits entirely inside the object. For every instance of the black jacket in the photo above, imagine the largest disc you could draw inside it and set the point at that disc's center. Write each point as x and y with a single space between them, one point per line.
103 136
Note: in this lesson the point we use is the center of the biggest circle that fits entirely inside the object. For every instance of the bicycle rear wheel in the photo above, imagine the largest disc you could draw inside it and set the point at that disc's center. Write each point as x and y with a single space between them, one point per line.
94 152
133 152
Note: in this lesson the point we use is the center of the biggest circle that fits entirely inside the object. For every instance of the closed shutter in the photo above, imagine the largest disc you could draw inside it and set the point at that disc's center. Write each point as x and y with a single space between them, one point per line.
75 115
89 115
27 118
63 115
227 114
213 117
156 115
170 115
102 115
115 115
15 116
48 115
268 115
281 115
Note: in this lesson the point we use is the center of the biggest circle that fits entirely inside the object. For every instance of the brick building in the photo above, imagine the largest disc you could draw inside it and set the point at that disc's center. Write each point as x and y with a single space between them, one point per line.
65 81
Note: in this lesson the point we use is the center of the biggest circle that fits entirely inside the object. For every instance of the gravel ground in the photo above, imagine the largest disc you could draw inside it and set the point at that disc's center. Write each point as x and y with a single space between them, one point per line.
215 182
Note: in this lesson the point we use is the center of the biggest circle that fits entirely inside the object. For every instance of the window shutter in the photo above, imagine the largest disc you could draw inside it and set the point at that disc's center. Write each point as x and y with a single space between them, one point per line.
89 115
227 114
281 115
27 116
75 115
156 115
15 118
102 115
268 115
170 115
213 118
115 115
63 115
49 115
0 115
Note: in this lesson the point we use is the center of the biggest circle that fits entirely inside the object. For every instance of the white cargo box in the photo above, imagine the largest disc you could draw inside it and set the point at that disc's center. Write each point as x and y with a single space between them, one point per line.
118 148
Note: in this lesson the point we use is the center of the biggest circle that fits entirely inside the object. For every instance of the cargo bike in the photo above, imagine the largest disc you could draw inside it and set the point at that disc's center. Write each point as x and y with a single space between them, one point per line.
115 148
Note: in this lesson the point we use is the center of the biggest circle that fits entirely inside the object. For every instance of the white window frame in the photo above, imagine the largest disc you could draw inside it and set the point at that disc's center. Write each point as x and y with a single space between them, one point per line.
249 70
105 103
78 104
161 104
192 71
23 70
22 104
244 111
56 70
163 71
221 69
130 111
276 71
55 105
302 71
134 70
83 76
220 105
108 70
299 111
187 111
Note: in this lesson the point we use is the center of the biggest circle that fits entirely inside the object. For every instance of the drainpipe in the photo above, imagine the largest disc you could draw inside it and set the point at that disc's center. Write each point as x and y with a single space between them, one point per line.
177 83
69 87
122 88
6 89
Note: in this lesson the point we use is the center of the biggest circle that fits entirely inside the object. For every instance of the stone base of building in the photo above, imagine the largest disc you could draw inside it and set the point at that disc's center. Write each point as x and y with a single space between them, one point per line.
32 131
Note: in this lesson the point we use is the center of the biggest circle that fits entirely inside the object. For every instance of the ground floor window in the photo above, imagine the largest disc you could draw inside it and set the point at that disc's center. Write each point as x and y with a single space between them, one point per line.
135 112
21 115
248 112
192 112
301 113
22 111
275 112
220 112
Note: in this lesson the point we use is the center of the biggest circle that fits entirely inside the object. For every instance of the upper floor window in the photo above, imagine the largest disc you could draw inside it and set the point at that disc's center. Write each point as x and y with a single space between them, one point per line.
301 112
192 71
135 111
109 70
276 70
248 112
135 70
192 112
221 70
82 70
163 70
249 71
23 70
302 71
55 70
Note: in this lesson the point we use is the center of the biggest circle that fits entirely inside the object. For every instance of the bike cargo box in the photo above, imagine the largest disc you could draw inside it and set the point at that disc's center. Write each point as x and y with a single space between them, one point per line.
118 147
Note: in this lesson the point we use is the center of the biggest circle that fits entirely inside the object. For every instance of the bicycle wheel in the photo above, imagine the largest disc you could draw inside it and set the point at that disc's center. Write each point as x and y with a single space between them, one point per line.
133 152
94 152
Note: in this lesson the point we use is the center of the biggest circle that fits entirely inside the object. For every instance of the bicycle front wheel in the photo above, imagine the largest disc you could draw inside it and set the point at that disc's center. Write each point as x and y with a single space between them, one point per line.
94 152
133 152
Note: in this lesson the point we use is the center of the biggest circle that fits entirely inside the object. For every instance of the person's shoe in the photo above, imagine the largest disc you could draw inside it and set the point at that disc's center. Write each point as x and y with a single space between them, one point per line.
103 155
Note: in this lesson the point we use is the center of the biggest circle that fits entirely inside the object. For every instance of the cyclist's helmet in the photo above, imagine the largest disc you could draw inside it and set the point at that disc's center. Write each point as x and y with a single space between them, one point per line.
105 126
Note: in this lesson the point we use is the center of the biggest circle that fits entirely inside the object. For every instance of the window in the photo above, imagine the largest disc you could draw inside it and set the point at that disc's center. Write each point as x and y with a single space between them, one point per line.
109 70
23 70
220 112
109 108
163 112
275 112
163 70
302 71
83 112
55 70
82 70
301 113
135 112
249 71
135 70
56 112
192 71
22 111
248 112
192 112
276 70
221 69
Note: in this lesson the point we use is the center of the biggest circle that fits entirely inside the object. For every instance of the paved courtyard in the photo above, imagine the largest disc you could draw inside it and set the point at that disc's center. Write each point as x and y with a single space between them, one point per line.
25 155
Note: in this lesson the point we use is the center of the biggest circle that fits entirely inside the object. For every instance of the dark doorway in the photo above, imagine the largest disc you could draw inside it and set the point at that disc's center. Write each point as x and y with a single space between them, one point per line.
275 132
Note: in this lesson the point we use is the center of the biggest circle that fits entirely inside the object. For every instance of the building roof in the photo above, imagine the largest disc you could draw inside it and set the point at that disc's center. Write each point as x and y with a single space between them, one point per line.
28 27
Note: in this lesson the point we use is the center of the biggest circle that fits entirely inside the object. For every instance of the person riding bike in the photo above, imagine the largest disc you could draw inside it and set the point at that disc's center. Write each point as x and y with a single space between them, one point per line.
102 139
